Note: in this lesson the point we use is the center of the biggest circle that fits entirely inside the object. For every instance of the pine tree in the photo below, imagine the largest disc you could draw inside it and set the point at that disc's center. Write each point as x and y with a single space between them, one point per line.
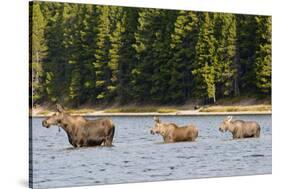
38 51
73 17
263 54
226 69
246 45
114 51
163 27
127 56
205 61
102 69
121 53
88 35
151 74
55 81
144 39
183 44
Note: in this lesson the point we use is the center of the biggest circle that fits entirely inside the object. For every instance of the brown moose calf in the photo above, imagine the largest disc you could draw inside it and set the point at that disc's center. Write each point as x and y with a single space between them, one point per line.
173 133
240 128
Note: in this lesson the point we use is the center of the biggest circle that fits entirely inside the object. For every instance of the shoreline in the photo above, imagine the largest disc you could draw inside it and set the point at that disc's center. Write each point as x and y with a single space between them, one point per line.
179 113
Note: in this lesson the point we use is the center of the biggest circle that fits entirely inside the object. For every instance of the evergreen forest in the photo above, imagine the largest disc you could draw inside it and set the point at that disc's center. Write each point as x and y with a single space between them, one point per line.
93 54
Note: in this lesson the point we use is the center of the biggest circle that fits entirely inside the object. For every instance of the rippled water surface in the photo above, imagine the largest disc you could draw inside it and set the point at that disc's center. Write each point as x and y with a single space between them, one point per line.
138 156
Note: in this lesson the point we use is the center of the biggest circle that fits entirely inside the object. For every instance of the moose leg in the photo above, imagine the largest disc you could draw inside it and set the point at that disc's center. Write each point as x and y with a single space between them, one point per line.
107 141
109 138
81 143
257 134
103 143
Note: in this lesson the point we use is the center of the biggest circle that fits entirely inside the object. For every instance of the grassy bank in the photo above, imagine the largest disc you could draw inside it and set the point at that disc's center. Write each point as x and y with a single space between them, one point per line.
180 110
227 105
141 110
253 108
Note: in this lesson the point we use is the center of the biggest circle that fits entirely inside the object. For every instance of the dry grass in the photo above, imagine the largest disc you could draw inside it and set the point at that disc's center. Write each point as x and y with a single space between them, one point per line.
81 111
167 110
237 104
141 110
253 108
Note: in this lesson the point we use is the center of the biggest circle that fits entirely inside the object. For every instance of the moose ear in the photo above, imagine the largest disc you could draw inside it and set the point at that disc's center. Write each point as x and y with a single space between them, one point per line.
229 118
156 119
60 108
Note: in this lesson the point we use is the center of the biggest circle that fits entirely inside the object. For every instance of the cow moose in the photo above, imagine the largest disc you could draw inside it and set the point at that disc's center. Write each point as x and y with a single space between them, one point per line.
80 131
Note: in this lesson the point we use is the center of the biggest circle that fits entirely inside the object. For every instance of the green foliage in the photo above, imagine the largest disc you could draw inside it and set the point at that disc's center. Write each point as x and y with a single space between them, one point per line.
263 54
226 69
83 54
183 41
144 43
205 60
37 51
246 47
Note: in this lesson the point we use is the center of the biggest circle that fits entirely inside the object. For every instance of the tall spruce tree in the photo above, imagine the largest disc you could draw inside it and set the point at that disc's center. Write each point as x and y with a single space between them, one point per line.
144 40
226 69
122 54
72 42
38 51
160 55
88 35
263 54
246 45
101 53
55 61
205 61
114 51
183 42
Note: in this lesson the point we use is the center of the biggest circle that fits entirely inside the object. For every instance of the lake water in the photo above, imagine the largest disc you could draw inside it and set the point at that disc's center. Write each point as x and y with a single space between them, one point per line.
138 156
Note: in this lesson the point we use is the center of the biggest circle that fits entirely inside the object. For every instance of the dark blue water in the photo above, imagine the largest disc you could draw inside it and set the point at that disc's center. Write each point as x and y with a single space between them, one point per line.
138 156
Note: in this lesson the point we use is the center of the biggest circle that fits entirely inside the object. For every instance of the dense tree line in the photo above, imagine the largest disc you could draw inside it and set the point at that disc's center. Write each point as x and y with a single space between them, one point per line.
105 54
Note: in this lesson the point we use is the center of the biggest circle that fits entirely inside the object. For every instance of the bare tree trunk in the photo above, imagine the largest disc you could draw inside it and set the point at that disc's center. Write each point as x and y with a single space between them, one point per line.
236 74
214 95
236 87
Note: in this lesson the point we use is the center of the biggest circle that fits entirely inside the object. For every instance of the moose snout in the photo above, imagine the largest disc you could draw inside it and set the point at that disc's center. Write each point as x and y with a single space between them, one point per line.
44 123
220 129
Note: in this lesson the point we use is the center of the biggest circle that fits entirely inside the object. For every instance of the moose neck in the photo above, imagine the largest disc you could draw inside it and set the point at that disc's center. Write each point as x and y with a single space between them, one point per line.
163 130
230 126
67 124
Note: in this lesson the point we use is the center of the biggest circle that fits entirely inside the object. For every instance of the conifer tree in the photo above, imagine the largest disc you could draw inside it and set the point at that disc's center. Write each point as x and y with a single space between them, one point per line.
102 69
263 54
38 51
121 53
161 54
205 61
55 61
114 51
226 69
127 56
144 39
73 17
183 42
88 34
246 45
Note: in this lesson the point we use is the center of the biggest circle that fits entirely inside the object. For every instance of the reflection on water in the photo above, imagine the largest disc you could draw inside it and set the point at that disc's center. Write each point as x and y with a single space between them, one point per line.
138 156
